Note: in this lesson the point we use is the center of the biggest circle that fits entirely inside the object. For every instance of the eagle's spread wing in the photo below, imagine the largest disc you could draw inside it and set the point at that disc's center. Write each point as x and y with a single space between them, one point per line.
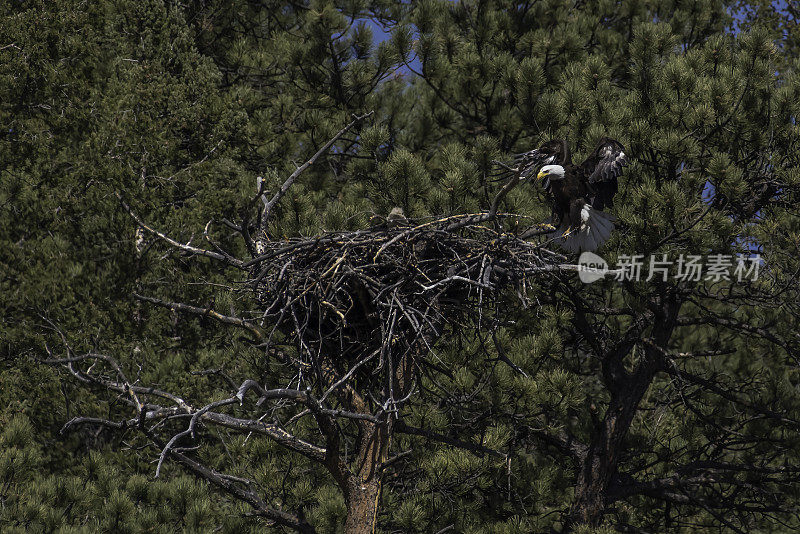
554 152
601 170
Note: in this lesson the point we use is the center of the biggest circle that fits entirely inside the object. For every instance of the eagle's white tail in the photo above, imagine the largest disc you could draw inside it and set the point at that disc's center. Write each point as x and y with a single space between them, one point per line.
596 228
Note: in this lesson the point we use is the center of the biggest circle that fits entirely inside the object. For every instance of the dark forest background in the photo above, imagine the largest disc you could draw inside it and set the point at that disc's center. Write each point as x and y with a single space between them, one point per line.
631 407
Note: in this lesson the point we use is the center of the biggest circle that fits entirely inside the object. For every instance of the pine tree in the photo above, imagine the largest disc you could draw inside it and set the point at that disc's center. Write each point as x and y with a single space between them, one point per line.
637 406
707 117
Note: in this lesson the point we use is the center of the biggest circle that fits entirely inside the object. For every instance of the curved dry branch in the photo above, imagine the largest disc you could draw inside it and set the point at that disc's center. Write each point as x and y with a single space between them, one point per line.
224 258
268 206
204 312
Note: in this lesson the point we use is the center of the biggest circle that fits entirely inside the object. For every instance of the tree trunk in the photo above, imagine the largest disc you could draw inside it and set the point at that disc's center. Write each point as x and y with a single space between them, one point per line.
362 507
364 486
600 463
601 460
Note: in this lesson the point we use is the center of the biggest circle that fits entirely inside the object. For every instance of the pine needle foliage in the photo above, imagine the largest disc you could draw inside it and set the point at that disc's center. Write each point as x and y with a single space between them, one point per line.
634 406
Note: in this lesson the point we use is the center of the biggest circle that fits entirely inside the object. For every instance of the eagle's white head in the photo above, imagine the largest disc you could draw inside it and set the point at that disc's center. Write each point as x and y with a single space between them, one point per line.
551 172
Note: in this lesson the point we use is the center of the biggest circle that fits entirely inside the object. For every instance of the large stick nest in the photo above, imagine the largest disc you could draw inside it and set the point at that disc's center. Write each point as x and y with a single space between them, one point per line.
390 290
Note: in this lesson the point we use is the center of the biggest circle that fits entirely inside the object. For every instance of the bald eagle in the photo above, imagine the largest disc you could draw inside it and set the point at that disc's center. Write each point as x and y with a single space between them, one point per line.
555 151
579 193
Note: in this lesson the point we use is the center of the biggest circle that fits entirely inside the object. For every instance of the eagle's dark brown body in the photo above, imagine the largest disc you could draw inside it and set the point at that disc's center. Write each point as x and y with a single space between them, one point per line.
570 195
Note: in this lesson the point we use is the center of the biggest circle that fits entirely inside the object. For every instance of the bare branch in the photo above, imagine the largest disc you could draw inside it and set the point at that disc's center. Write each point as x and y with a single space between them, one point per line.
479 450
269 206
244 492
185 247
204 312
190 430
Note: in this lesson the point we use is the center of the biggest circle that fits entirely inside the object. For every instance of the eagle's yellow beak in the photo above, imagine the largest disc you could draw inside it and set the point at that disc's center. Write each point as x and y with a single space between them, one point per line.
542 174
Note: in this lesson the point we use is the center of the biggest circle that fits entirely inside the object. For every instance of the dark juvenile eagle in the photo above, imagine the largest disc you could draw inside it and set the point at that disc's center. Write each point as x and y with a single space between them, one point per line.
396 217
580 193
